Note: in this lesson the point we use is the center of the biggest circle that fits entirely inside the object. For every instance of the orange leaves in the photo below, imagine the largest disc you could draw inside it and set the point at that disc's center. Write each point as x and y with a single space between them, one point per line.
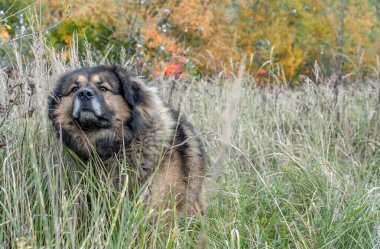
261 76
67 39
5 36
192 16
162 47
158 40
173 69
291 34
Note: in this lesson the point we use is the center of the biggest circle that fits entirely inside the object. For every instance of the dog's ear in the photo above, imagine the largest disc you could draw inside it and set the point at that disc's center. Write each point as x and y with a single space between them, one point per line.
131 89
135 95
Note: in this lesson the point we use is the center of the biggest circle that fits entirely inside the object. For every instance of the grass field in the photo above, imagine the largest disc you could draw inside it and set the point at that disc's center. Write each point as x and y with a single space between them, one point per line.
287 168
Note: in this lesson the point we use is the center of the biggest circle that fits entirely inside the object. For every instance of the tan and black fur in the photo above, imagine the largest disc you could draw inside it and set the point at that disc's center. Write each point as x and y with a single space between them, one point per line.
103 112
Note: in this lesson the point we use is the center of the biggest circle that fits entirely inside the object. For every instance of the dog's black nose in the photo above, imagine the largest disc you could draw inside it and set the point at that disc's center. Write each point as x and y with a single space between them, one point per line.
86 94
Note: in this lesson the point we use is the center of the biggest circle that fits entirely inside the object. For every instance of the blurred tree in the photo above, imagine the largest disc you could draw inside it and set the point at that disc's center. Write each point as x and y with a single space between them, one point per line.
210 36
302 32
12 18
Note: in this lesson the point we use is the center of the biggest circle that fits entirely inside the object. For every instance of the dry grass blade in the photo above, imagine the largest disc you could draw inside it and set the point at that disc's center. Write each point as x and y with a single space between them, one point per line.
229 118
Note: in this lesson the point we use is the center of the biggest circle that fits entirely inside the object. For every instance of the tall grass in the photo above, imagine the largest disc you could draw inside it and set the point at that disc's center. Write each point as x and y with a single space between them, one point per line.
300 170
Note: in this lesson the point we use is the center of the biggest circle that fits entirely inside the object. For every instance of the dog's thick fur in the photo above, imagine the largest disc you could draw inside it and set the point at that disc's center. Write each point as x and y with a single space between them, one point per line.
103 112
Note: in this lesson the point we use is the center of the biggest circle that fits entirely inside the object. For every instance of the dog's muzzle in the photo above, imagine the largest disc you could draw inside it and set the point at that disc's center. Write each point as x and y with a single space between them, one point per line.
88 110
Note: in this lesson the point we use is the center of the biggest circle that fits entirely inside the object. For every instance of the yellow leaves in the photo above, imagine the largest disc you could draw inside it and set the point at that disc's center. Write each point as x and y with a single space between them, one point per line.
306 31
261 18
67 8
216 33
293 61
22 243
65 55
85 12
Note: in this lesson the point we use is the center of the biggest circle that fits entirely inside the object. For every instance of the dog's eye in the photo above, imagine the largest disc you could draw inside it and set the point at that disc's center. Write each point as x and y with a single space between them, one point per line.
74 89
102 88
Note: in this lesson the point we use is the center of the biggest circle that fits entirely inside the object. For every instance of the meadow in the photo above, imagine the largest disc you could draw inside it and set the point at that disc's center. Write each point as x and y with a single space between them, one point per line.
287 168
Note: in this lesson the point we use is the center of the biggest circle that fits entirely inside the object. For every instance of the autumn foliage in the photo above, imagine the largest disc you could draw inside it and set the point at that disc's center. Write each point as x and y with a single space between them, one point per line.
175 38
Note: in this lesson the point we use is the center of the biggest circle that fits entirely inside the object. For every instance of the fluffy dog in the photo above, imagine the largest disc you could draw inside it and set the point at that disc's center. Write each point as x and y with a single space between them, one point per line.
104 112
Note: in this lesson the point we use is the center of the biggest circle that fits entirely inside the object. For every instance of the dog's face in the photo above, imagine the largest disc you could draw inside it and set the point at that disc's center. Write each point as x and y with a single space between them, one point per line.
90 99
100 103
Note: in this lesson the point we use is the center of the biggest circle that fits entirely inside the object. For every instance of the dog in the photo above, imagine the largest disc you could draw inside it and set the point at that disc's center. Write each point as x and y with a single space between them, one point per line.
105 112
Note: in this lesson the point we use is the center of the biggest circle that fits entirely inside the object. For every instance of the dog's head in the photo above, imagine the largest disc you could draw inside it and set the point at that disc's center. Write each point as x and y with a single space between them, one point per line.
100 101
